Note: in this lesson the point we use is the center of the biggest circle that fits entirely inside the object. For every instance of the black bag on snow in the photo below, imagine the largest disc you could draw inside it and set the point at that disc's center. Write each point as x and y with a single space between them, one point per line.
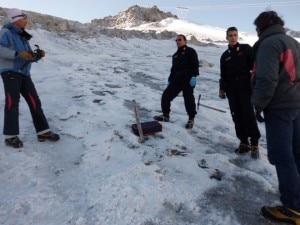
148 128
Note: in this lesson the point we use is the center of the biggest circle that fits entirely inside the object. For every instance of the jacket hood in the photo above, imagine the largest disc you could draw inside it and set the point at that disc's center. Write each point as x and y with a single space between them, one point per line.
12 28
275 29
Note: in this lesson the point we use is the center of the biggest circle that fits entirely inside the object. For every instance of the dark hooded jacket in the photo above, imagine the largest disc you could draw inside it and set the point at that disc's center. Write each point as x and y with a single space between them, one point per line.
276 73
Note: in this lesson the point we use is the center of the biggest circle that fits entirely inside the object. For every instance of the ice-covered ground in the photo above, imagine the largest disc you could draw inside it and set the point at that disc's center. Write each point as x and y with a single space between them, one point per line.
98 173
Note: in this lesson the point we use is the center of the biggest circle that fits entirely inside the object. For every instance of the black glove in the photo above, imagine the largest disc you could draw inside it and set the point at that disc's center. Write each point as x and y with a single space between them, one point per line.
41 53
222 94
258 111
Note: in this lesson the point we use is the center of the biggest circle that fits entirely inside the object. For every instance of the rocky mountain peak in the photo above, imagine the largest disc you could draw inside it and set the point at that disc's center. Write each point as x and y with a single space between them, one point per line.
133 16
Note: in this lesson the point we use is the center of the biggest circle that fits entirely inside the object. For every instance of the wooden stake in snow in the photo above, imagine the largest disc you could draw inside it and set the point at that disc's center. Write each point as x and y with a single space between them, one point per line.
138 121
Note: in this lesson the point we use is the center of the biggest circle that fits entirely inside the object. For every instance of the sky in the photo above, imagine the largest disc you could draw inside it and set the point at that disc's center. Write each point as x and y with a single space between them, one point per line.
99 173
217 13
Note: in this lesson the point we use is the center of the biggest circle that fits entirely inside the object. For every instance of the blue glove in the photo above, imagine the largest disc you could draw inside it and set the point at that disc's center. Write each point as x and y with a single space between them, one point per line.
193 82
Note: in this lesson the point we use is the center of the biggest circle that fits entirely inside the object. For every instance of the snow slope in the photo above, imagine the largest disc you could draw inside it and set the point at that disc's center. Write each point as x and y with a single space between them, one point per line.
202 32
98 173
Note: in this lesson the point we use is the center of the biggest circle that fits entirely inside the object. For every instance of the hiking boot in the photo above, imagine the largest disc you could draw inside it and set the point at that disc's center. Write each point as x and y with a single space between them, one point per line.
163 118
254 151
281 214
243 148
14 142
189 124
48 136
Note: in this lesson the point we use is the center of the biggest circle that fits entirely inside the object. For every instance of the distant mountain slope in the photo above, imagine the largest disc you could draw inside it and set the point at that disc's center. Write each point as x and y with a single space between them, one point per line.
295 34
137 22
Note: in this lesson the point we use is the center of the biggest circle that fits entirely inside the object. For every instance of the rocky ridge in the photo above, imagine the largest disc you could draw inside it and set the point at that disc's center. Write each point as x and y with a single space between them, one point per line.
133 16
112 26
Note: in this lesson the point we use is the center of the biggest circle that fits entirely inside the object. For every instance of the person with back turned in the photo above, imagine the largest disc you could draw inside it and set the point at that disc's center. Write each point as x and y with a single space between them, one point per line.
276 93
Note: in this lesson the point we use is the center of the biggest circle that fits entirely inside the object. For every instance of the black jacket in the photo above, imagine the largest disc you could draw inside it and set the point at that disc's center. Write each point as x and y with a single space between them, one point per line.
236 64
185 64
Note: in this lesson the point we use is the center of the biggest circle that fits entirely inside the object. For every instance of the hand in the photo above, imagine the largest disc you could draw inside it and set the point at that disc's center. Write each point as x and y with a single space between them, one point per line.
41 53
258 111
222 94
193 82
26 55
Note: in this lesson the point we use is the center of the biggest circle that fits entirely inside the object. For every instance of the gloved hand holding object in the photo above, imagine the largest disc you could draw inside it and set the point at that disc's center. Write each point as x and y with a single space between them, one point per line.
41 53
26 55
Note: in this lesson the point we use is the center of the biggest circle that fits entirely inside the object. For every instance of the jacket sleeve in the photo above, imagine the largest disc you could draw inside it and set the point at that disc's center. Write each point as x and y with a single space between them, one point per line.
194 63
266 74
222 72
5 51
251 57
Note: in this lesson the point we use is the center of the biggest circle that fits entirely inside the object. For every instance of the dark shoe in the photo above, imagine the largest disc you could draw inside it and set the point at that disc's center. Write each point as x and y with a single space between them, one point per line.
163 118
243 148
14 142
189 124
254 151
48 136
281 214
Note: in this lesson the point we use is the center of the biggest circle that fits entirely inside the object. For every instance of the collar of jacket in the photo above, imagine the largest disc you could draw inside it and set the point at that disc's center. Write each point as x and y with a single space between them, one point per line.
23 33
275 29
235 47
182 48
26 35
12 28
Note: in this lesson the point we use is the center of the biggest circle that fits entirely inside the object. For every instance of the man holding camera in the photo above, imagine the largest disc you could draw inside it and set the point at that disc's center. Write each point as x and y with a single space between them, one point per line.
16 57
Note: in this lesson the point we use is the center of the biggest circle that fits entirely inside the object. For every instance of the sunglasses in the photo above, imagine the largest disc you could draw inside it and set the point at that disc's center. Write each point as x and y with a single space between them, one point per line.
23 15
179 39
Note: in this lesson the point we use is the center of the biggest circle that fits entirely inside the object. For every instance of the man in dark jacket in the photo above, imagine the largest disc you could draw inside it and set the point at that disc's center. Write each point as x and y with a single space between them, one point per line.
276 92
235 83
16 57
184 70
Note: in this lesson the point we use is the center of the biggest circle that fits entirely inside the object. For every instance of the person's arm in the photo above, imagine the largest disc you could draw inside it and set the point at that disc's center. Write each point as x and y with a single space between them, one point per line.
194 63
5 51
221 80
251 57
266 75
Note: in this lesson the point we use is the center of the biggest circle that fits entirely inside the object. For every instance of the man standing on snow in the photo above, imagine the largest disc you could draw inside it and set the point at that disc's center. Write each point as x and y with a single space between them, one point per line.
184 70
276 92
235 65
16 57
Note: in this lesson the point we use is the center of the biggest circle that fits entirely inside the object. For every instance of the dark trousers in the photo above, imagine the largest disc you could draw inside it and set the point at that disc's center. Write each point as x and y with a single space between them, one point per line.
243 115
173 89
14 85
283 141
